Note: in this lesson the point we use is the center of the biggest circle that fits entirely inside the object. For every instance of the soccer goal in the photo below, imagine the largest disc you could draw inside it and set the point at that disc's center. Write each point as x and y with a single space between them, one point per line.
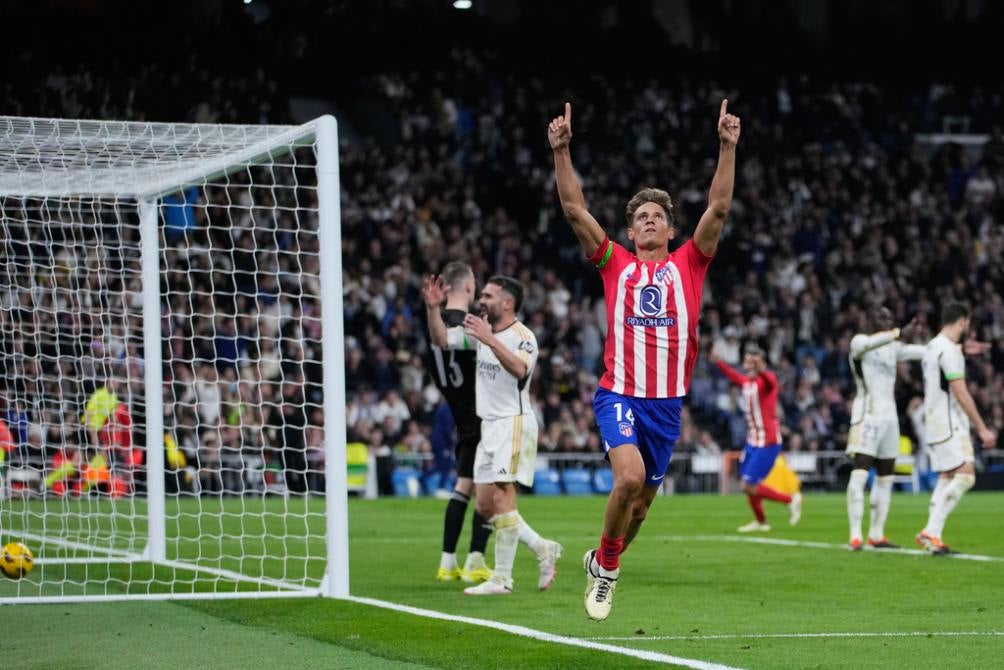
172 382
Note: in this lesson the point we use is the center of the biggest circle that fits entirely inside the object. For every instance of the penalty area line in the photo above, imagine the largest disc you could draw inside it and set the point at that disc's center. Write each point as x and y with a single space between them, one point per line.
786 636
542 636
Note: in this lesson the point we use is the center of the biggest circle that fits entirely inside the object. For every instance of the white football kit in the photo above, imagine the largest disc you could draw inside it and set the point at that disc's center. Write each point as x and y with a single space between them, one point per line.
946 426
508 448
874 418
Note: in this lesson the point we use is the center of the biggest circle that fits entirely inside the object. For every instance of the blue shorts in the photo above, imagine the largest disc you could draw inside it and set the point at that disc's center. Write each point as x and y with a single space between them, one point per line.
651 424
757 462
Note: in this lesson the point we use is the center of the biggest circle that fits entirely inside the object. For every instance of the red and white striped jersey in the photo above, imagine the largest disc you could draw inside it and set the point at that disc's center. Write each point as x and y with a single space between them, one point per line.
759 405
652 313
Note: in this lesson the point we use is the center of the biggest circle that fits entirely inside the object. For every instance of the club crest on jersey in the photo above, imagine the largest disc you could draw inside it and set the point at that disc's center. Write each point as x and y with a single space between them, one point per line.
661 275
625 429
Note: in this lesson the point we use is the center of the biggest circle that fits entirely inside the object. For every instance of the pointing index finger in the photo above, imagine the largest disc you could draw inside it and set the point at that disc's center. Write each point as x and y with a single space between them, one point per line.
724 110
568 112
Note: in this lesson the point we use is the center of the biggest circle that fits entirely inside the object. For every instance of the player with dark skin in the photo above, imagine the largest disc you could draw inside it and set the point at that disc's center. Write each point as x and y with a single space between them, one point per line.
882 319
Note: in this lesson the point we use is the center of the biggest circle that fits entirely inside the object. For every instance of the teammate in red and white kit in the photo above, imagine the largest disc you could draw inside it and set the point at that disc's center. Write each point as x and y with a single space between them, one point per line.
763 438
653 300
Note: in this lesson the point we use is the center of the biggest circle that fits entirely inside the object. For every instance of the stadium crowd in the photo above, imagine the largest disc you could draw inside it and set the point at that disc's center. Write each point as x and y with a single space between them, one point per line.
838 207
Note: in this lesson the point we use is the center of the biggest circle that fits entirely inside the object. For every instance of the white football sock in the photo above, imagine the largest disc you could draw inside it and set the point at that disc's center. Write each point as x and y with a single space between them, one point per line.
880 499
506 541
856 500
475 560
529 536
448 560
958 485
937 499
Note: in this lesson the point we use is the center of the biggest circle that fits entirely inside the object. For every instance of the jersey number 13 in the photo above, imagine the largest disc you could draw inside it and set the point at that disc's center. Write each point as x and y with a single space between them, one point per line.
449 372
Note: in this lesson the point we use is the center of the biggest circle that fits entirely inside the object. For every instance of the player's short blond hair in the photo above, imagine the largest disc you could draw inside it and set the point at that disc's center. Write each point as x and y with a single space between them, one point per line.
455 273
656 195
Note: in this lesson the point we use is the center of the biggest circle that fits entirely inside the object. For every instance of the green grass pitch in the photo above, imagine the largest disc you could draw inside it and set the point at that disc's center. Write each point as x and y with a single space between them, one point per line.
690 588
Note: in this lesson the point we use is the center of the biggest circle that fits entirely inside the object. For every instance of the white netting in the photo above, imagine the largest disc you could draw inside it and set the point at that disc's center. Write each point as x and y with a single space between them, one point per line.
41 157
240 351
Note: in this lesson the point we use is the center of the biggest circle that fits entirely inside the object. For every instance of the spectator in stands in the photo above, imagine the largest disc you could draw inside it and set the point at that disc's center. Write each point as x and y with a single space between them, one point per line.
805 251
442 440
706 445
379 448
391 412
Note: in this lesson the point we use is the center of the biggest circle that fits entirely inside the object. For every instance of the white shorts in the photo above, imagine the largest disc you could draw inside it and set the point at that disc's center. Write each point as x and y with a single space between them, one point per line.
878 438
952 453
507 451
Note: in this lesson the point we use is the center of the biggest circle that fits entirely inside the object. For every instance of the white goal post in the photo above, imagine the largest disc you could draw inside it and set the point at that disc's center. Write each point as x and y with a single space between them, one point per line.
171 360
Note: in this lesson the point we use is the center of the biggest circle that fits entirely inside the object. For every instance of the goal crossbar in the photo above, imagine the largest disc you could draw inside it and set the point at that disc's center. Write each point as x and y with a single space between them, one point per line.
127 157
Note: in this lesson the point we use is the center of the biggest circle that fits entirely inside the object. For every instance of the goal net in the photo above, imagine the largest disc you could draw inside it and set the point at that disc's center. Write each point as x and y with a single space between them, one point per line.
171 391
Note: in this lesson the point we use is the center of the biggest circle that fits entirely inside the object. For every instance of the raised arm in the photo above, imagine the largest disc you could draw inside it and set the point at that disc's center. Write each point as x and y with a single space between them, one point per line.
434 292
911 352
862 344
709 228
730 373
573 203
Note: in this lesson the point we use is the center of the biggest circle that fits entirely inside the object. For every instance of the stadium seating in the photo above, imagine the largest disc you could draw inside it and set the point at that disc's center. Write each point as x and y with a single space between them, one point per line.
603 480
547 482
577 482
435 482
407 483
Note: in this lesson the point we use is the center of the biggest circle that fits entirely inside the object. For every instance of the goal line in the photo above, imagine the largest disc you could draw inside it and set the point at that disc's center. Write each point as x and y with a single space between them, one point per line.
280 588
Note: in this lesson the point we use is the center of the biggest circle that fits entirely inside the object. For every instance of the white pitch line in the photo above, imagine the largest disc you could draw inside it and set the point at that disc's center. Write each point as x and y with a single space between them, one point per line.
545 637
725 538
760 636
77 546
817 545
119 556
84 560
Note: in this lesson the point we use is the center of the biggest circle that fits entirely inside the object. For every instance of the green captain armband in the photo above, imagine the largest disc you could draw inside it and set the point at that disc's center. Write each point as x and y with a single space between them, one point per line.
606 255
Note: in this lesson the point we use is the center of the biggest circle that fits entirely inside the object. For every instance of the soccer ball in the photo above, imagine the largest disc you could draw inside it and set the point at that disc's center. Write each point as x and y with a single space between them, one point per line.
16 560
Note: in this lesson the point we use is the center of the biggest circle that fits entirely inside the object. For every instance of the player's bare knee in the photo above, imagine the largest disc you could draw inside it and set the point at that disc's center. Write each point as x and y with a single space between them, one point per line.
464 486
484 502
630 483
504 498
485 508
